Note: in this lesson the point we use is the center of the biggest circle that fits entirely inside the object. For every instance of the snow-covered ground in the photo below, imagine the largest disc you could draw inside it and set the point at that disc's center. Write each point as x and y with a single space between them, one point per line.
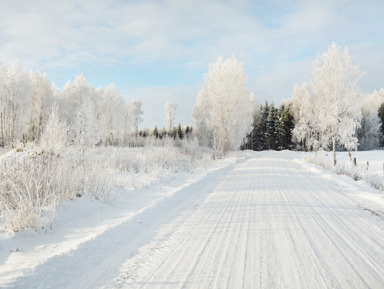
256 220
369 166
375 159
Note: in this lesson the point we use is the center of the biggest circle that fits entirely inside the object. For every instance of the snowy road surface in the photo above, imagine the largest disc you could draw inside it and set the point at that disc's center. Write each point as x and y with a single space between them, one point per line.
268 221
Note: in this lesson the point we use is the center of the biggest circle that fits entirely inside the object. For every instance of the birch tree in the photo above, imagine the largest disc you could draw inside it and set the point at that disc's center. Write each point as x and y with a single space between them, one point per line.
41 98
74 93
15 102
335 85
134 116
333 96
223 107
112 115
86 128
170 109
200 115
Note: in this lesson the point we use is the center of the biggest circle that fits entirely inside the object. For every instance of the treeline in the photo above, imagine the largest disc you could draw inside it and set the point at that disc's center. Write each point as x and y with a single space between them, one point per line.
272 129
329 112
77 114
177 132
225 116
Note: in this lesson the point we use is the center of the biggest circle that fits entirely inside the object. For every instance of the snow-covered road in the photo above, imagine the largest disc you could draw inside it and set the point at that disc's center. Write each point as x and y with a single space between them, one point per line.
268 221
268 224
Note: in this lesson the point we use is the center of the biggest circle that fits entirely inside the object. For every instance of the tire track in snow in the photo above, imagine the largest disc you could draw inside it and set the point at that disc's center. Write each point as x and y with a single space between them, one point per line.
270 224
265 222
329 217
82 268
339 238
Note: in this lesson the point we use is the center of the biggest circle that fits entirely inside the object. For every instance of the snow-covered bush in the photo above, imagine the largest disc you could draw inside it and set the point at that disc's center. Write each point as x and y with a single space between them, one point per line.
32 186
33 183
156 158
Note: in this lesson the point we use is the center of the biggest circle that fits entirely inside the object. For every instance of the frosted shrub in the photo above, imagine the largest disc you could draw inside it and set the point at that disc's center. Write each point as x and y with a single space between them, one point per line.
33 183
98 182
30 186
155 159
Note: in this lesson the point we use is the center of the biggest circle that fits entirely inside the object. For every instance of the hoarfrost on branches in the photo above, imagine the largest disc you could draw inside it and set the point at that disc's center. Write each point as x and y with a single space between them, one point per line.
332 110
87 133
170 109
223 112
54 137
134 115
369 133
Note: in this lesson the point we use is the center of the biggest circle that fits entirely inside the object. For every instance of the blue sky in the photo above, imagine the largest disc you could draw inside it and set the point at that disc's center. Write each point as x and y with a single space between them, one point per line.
158 51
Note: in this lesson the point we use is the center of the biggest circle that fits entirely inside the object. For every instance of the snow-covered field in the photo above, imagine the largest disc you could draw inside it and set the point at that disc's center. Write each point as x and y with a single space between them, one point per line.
369 165
254 220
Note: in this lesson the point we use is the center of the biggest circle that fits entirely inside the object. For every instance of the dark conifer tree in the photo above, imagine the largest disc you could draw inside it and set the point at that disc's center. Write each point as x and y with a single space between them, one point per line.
187 131
286 125
173 133
381 116
262 128
272 128
180 133
156 132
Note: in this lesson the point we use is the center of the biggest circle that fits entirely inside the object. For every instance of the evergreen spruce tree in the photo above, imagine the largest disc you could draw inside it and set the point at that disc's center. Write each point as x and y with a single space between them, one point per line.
280 143
180 133
256 138
163 133
156 132
286 125
272 128
381 117
262 128
187 131
173 133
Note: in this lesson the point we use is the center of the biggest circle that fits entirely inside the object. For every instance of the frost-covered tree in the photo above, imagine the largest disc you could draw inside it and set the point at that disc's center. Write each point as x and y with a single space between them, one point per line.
223 107
170 109
304 113
134 116
369 132
86 128
74 93
41 99
15 103
54 137
112 116
200 115
333 96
